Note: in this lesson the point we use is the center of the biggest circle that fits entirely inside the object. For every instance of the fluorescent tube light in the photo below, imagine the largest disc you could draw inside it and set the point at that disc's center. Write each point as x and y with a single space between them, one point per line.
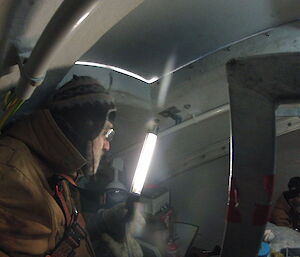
126 72
143 164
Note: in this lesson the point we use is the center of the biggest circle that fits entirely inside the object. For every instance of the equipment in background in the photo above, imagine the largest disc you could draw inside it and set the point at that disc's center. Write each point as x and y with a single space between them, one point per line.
155 200
196 252
154 204
290 252
116 192
149 250
184 235
264 250
172 249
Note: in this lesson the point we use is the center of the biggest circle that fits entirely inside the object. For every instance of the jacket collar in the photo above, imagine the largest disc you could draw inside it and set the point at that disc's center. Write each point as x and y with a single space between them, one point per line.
41 134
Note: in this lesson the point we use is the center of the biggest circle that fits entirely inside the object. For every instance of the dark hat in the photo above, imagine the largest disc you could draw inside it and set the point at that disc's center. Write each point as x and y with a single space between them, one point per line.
294 184
80 108
80 91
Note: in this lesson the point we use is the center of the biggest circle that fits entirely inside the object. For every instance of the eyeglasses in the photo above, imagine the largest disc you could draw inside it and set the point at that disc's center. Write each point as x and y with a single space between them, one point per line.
109 135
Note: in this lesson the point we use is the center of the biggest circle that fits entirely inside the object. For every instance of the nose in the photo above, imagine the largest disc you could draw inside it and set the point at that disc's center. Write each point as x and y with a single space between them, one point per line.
106 145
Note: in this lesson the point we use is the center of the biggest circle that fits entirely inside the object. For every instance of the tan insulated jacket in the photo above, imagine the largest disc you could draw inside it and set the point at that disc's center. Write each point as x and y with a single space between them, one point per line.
282 214
31 151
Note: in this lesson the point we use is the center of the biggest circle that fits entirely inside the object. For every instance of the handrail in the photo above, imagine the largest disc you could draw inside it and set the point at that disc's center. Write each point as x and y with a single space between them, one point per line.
66 19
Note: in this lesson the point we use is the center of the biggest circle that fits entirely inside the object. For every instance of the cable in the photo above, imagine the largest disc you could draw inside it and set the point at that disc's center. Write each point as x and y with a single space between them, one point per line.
10 108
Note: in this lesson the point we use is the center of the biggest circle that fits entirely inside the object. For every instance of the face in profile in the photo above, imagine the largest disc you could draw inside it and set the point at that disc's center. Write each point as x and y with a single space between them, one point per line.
99 146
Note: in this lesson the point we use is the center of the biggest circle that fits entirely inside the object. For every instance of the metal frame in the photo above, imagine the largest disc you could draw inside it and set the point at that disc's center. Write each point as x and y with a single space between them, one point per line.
256 86
66 19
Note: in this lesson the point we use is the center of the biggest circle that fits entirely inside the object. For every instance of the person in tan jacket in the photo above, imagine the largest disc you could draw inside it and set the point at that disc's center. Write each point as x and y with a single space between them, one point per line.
41 155
286 211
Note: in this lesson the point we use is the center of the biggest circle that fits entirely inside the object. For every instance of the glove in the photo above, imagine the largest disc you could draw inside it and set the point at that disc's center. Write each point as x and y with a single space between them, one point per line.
111 221
268 236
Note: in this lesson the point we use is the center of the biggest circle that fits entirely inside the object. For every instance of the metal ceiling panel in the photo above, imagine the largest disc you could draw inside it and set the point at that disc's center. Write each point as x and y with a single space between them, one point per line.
145 39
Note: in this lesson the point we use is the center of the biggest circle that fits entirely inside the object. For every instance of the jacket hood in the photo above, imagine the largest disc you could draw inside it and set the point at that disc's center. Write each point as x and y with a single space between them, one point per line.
44 138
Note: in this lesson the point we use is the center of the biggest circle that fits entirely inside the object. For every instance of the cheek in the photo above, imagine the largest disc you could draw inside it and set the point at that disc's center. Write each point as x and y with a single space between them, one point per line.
98 144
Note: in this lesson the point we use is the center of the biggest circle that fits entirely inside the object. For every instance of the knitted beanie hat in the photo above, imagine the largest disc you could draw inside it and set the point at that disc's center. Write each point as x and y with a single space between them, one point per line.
80 108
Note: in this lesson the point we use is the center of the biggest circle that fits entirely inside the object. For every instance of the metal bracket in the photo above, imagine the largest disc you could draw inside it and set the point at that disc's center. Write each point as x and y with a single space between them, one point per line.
22 59
172 113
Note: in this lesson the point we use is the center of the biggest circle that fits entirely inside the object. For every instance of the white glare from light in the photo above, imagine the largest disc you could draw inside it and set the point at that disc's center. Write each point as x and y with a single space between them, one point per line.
83 17
128 73
143 164
166 82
